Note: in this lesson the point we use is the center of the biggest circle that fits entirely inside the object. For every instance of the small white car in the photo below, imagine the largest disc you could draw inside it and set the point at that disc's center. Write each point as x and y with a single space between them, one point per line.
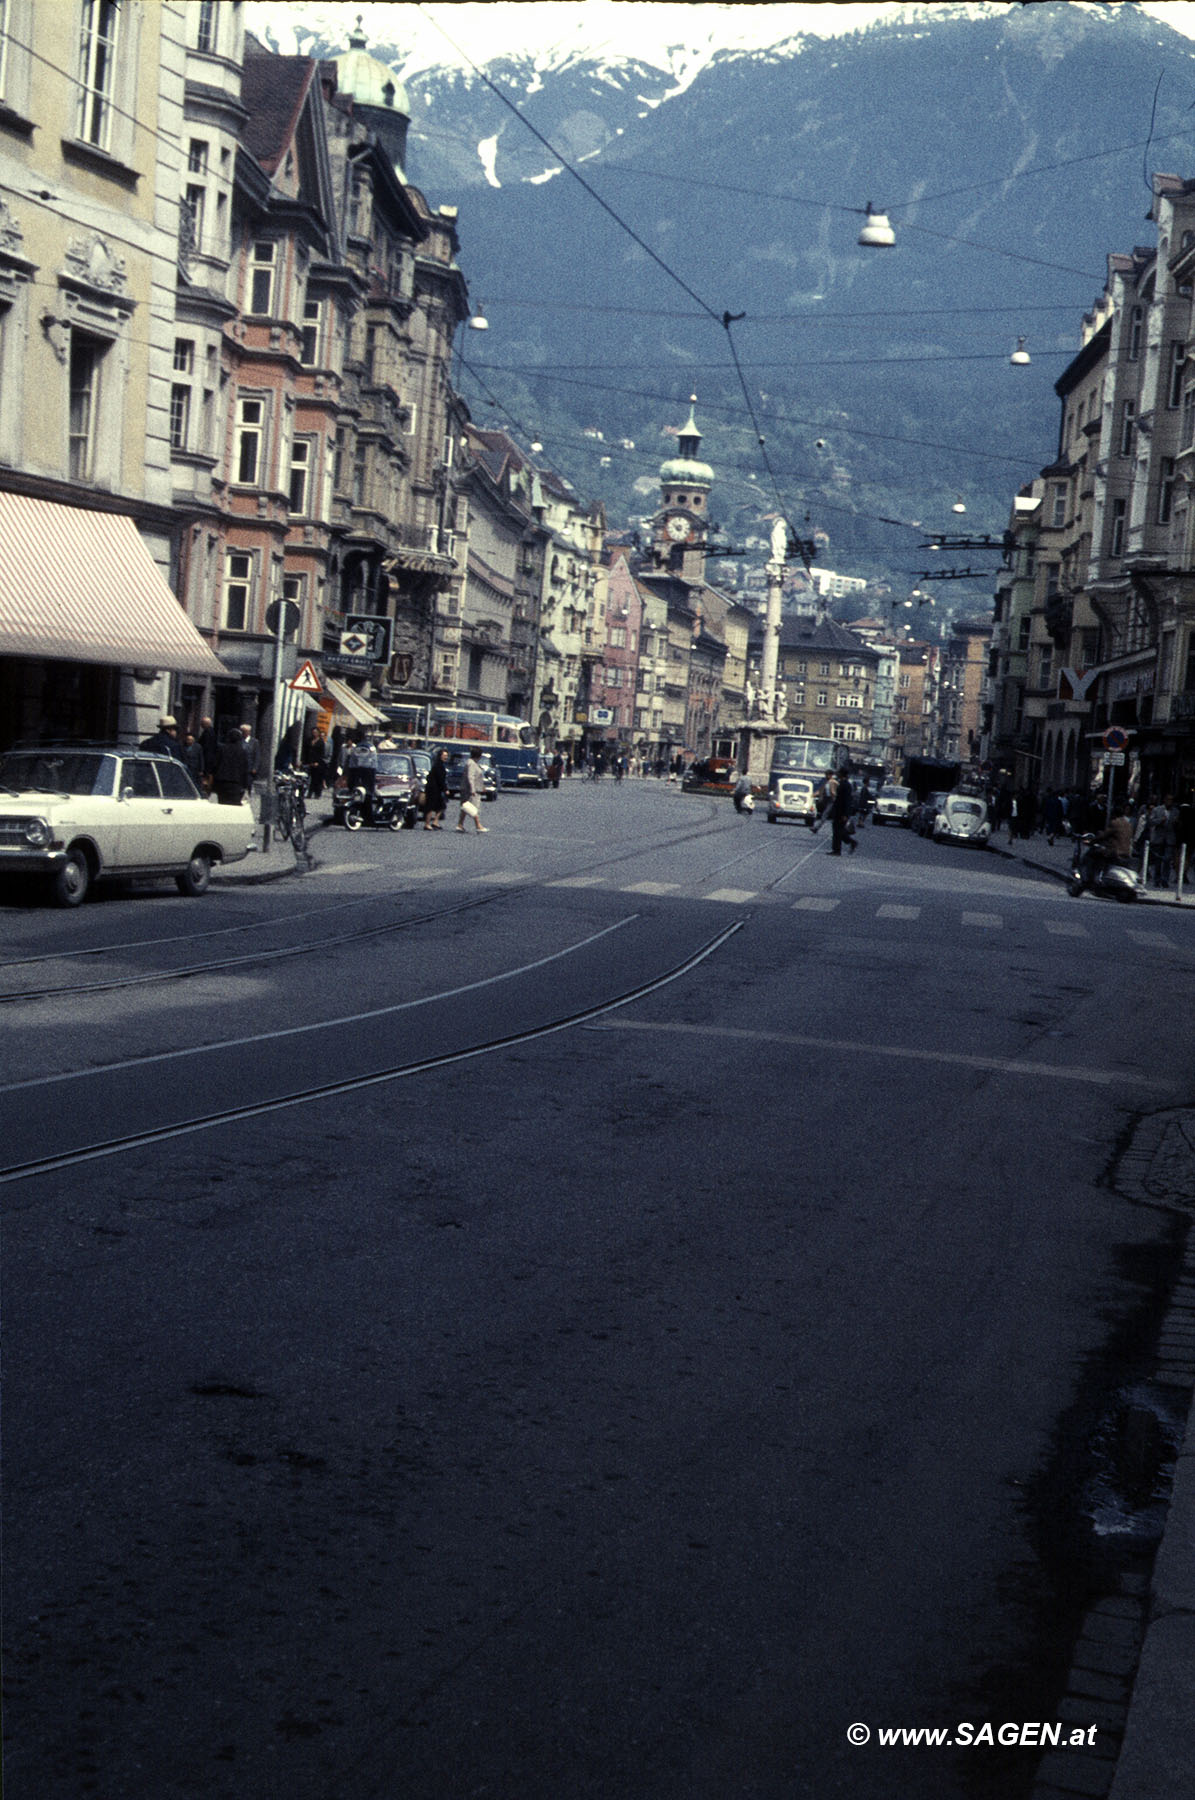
79 815
792 797
893 806
962 820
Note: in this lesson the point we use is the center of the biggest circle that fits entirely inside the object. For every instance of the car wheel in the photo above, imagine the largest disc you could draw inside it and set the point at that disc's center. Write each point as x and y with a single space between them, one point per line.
196 876
71 879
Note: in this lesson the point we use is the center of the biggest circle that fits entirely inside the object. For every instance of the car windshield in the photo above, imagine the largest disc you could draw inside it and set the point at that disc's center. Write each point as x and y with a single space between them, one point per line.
965 806
57 772
391 762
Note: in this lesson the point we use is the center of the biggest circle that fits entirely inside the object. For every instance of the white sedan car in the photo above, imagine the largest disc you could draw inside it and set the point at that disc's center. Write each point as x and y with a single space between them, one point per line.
76 816
893 805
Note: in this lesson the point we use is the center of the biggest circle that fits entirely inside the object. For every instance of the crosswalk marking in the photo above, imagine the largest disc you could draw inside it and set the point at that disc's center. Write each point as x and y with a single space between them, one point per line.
1057 929
578 881
503 875
992 921
1157 940
652 887
736 895
898 912
815 903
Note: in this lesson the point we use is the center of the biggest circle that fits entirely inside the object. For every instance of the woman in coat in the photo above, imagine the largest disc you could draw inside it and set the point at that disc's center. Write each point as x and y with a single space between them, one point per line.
435 792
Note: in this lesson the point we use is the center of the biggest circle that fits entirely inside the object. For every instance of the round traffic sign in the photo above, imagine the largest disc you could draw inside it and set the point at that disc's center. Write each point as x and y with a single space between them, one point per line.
1115 738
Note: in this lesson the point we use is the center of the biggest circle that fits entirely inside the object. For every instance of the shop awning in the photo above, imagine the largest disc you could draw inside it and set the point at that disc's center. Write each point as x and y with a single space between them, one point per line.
355 705
80 586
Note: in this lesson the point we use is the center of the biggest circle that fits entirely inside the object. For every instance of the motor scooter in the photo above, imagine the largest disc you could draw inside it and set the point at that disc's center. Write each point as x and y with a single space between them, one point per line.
387 811
744 799
1099 874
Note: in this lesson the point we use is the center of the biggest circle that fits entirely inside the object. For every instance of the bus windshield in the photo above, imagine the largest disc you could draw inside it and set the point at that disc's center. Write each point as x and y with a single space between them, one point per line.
818 755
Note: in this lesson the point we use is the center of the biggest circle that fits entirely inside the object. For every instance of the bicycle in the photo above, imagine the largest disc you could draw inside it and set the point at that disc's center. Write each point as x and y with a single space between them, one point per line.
290 789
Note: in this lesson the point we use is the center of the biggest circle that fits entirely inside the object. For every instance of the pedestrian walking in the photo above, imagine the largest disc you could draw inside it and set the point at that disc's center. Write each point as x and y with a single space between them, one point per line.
210 745
1052 815
1162 827
435 792
472 782
840 817
231 778
556 769
315 760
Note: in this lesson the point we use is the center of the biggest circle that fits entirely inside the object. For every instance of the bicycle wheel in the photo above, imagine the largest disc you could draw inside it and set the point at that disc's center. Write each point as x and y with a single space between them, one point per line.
298 830
284 815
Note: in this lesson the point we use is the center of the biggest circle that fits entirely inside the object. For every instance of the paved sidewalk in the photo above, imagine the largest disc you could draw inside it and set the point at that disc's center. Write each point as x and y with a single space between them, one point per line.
1055 859
273 864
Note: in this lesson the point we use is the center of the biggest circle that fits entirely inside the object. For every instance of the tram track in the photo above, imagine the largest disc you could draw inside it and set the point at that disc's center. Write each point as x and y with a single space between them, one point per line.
115 1146
277 953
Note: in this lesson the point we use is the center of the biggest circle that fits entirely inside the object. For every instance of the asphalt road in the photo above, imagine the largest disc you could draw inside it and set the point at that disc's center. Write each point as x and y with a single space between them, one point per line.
607 1310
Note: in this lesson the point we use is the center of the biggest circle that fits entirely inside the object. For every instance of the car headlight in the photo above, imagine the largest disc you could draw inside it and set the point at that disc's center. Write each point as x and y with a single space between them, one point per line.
37 834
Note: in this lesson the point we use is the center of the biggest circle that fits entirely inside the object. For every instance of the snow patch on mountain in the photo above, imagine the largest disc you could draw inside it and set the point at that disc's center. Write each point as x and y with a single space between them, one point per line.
487 150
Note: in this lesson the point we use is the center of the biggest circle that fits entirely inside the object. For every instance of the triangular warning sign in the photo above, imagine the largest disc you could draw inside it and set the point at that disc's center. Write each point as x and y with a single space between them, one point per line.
306 680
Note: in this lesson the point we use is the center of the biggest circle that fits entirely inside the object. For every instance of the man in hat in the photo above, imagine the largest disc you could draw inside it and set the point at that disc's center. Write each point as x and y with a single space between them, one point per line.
165 739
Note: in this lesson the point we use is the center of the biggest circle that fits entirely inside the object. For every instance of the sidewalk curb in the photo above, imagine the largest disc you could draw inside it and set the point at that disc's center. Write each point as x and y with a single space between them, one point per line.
1155 1756
1145 897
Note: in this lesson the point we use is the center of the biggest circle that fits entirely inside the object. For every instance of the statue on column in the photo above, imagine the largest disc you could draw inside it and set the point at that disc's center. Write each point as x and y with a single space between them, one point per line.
779 541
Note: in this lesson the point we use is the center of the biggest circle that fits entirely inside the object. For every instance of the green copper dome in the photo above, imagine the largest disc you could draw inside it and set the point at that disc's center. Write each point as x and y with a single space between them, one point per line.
367 80
686 468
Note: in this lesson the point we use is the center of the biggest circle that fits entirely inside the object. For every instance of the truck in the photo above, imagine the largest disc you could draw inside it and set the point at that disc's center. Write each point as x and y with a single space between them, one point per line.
925 775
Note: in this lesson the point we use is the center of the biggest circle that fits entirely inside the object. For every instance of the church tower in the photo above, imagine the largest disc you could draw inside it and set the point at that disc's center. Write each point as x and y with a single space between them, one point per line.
682 522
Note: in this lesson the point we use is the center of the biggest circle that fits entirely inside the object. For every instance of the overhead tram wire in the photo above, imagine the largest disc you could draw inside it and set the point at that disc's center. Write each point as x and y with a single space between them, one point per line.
726 319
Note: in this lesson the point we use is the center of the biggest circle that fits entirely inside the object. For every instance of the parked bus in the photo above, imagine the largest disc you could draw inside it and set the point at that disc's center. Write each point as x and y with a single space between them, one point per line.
510 741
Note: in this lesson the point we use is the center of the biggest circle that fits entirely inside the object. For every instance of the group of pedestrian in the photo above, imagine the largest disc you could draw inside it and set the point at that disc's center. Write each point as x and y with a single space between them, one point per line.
1159 827
227 768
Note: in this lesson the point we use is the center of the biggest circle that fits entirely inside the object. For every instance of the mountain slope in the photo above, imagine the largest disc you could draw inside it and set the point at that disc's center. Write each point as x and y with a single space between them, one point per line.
880 379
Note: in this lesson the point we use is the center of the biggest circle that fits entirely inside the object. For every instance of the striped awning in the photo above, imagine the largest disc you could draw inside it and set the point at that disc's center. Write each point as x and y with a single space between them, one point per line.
80 586
349 701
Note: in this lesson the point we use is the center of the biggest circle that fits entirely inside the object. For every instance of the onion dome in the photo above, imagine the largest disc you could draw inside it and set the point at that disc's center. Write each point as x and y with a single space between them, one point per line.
368 81
686 469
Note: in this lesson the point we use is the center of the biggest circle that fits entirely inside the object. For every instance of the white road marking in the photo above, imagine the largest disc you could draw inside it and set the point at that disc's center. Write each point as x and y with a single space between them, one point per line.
578 881
898 912
1057 929
992 921
503 876
1156 939
652 887
344 868
815 903
738 896
999 1065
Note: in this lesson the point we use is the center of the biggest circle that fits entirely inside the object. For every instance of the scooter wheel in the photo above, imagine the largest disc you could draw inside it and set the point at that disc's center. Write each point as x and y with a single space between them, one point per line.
1074 887
395 822
353 819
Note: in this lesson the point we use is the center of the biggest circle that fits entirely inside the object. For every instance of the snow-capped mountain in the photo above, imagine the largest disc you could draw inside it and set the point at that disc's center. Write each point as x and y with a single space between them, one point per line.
739 147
